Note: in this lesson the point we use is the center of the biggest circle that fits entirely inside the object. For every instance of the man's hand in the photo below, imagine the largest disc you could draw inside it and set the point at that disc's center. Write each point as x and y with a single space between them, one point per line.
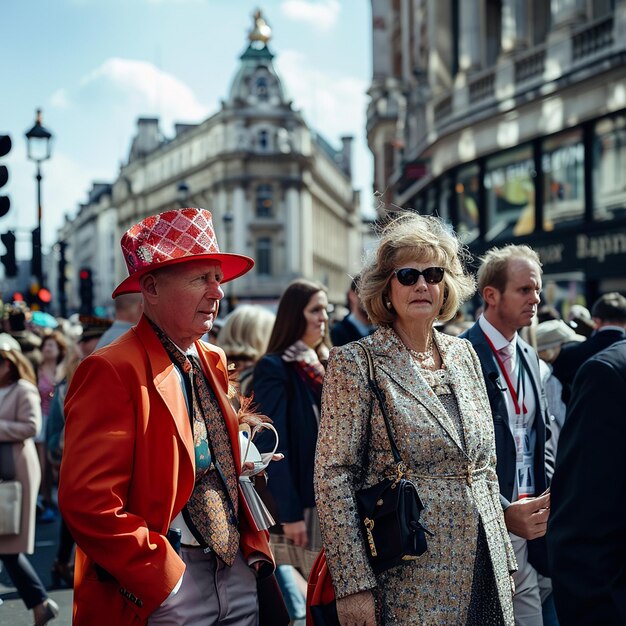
357 609
296 531
528 518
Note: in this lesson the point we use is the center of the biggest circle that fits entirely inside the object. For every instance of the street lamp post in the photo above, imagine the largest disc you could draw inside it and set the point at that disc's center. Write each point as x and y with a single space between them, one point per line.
39 149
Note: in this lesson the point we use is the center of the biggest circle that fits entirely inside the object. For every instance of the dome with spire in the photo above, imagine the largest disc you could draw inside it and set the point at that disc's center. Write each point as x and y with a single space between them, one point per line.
256 83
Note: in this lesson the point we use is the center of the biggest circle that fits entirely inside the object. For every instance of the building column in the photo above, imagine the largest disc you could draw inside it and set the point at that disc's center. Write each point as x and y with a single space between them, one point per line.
564 13
514 26
470 35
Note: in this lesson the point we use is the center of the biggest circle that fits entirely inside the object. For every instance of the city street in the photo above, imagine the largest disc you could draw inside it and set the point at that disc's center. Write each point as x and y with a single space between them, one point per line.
12 611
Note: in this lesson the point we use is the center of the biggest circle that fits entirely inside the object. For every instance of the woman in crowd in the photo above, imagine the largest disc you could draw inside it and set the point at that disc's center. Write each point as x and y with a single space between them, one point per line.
287 387
53 350
244 337
437 403
20 420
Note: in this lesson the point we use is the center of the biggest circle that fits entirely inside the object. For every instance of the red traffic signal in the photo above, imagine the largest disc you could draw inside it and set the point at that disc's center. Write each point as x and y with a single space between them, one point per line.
44 295
84 274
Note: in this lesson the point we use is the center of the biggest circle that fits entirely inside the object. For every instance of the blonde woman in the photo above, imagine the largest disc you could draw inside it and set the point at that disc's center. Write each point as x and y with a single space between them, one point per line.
437 403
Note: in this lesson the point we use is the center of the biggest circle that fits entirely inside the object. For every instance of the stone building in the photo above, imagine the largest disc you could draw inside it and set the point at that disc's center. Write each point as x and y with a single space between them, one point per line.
508 118
278 191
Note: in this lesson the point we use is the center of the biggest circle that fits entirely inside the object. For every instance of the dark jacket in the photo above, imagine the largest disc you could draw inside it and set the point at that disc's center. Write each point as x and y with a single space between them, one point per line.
587 526
345 331
573 355
505 443
280 394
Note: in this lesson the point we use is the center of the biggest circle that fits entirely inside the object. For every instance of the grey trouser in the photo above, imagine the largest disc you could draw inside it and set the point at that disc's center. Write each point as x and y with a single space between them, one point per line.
211 594
531 588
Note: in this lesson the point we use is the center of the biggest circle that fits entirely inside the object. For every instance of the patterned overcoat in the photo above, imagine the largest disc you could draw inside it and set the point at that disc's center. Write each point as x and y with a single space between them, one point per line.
455 476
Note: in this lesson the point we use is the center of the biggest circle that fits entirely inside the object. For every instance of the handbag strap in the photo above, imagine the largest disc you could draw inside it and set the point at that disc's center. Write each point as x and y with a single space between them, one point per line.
381 401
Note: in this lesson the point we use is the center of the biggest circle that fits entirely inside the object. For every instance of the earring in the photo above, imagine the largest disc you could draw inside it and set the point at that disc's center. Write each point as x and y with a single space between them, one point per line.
388 304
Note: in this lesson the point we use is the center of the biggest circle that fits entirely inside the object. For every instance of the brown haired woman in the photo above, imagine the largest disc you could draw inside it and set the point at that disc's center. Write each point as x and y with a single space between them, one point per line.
287 388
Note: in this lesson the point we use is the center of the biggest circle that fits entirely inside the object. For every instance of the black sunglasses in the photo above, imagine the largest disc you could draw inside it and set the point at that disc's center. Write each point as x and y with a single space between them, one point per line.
408 276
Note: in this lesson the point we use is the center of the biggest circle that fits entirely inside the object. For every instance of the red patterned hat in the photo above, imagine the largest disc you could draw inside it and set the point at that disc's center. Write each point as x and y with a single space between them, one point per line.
174 237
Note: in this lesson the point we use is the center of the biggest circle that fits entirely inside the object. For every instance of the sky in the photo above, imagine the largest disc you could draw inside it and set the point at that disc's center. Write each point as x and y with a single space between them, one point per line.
95 66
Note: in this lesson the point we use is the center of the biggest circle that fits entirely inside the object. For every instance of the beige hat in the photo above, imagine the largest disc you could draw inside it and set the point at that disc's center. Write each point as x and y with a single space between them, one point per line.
8 343
553 333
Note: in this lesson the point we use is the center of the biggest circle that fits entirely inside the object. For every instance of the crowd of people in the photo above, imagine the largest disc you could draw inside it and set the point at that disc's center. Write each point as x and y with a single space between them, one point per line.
508 423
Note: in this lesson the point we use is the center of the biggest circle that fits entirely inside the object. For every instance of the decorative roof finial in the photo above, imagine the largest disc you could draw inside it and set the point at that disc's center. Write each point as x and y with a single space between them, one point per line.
261 31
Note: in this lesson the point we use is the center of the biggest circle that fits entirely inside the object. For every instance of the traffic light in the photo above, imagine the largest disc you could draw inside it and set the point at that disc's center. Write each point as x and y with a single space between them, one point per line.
5 148
85 291
8 259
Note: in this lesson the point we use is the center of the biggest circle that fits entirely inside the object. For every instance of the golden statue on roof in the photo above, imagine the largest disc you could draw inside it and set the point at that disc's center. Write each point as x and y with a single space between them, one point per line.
261 31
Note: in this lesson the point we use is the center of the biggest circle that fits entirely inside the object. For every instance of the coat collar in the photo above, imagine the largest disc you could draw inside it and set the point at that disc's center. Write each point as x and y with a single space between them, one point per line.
391 355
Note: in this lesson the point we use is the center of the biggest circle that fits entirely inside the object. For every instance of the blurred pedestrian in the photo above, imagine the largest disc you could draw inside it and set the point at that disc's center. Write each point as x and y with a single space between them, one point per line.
356 324
20 421
587 527
438 411
509 281
244 337
150 474
551 335
128 310
49 373
609 317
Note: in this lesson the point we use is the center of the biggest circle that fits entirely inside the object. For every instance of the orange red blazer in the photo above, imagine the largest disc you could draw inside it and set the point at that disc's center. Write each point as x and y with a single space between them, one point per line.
128 469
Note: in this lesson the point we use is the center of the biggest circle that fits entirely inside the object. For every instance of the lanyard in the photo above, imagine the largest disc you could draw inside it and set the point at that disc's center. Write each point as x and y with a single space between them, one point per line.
515 393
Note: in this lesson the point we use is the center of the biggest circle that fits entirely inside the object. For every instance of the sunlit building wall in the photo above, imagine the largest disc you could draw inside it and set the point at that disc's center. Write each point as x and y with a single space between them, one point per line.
508 118
278 191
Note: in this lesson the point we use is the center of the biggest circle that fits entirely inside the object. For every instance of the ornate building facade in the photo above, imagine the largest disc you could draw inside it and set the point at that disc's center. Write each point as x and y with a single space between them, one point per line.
508 118
278 191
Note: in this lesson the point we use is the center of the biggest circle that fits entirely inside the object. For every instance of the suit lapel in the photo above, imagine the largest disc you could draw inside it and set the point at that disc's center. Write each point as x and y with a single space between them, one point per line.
391 354
167 384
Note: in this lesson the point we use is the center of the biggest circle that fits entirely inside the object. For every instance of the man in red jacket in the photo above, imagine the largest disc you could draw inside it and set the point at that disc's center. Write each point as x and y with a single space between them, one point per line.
149 482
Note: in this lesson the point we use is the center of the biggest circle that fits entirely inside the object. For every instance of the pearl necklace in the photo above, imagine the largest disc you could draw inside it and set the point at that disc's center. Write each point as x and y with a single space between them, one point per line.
425 359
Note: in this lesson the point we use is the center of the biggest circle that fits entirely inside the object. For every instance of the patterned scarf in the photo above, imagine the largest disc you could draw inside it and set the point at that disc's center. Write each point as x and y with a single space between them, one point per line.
307 365
211 512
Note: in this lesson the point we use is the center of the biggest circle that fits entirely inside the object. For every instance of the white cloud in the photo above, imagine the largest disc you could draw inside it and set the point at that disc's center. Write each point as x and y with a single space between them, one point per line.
142 85
333 104
94 122
322 15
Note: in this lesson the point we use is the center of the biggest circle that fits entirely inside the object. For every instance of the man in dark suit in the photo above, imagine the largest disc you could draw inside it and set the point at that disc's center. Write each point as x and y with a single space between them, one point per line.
609 316
587 538
356 324
509 281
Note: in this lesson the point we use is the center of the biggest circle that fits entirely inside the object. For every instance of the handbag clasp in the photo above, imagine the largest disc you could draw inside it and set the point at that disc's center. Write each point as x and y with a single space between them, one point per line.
369 525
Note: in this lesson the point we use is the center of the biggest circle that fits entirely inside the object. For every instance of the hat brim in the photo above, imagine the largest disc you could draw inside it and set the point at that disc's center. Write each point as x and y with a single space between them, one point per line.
233 266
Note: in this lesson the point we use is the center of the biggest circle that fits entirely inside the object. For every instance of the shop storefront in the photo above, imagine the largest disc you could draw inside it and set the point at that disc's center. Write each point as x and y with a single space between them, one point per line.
564 195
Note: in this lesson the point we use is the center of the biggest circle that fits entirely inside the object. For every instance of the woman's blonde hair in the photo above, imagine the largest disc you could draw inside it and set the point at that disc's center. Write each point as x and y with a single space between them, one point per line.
21 369
246 332
408 237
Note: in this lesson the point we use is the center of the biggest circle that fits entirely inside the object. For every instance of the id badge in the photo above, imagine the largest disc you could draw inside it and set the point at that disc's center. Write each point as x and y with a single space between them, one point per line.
524 463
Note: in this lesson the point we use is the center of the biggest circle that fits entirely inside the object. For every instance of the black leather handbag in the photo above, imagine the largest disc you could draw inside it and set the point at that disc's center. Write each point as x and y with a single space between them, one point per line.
390 510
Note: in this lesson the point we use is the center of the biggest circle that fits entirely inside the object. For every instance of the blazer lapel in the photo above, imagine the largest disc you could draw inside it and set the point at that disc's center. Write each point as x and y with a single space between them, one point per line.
392 351
167 384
